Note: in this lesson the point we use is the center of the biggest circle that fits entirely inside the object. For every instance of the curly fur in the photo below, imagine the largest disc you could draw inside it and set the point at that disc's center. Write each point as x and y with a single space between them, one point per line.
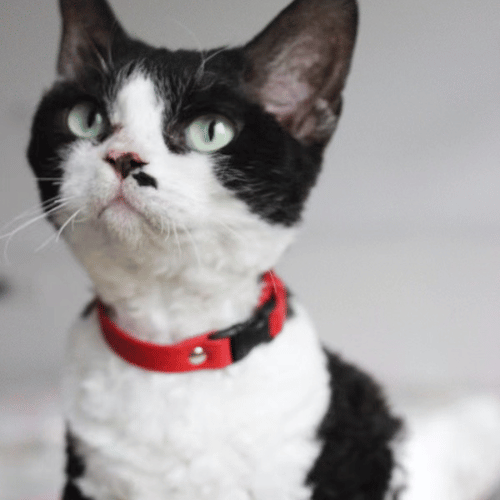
175 241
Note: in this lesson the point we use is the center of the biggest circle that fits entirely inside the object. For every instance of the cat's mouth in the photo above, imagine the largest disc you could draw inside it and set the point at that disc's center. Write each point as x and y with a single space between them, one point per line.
121 203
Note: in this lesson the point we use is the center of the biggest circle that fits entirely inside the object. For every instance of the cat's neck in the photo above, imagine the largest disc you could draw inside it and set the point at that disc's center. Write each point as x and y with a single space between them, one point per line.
167 309
165 300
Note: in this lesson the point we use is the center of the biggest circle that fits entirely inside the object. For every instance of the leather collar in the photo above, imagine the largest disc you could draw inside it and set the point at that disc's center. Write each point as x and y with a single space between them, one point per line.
212 350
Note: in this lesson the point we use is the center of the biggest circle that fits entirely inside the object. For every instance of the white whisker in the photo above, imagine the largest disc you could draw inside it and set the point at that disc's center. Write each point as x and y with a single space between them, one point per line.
204 60
230 230
10 235
169 224
176 235
54 237
190 32
59 204
72 218
28 213
45 243
193 244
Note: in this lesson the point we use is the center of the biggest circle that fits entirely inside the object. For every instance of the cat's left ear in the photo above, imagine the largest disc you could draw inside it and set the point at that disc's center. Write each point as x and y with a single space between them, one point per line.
297 67
90 30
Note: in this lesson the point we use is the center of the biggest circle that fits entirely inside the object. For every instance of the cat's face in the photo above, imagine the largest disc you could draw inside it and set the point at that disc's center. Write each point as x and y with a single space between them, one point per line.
138 146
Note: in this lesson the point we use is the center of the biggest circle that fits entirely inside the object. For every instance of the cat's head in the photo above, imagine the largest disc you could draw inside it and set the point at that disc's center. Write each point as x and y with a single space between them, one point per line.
136 146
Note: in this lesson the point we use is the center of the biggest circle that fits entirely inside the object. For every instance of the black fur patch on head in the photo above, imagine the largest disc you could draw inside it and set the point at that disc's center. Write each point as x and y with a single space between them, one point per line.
356 460
282 91
263 166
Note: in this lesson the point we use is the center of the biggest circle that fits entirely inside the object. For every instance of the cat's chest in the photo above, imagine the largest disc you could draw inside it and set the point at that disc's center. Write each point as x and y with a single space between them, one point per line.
238 433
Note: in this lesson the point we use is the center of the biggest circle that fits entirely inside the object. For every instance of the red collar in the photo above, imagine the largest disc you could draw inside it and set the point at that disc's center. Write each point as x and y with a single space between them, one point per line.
211 350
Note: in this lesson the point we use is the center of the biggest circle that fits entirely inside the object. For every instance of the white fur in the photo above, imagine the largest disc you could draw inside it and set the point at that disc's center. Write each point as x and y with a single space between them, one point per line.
246 432
174 262
453 452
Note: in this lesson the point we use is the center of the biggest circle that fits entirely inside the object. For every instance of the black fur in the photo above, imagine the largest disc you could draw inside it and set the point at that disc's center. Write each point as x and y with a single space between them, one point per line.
75 468
89 308
356 460
145 180
264 166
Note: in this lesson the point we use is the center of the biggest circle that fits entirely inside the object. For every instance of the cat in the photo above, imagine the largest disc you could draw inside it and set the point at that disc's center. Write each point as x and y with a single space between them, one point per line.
178 179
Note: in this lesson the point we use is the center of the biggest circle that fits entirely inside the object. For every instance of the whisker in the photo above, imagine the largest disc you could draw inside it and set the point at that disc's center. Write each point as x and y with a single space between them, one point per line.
230 230
102 68
45 243
54 237
204 60
10 235
22 226
176 235
28 213
32 221
56 182
58 204
162 228
193 244
189 32
36 208
72 218
169 228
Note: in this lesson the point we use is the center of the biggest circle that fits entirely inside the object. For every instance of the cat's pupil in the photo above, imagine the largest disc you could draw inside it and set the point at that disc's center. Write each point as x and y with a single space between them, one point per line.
91 118
211 130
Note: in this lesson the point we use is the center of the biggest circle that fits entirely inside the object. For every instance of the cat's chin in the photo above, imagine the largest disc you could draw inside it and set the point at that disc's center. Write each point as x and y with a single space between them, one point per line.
126 224
121 210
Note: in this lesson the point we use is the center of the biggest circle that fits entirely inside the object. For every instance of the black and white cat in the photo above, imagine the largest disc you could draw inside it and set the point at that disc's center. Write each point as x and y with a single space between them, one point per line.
178 179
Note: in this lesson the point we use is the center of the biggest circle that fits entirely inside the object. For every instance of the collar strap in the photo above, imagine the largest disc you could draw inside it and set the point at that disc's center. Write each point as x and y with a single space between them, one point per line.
212 350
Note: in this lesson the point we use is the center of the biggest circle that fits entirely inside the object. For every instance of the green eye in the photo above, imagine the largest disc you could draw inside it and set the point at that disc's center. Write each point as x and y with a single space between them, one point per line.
86 121
209 133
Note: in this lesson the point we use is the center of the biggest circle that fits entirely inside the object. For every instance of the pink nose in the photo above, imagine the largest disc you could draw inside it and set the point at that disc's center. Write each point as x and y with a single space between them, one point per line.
124 163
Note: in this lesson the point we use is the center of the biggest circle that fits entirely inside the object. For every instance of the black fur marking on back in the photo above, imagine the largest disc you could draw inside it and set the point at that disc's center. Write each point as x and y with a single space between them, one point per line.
356 461
75 468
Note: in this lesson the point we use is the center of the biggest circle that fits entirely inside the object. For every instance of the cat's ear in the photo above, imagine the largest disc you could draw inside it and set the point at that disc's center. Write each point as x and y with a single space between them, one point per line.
90 29
297 67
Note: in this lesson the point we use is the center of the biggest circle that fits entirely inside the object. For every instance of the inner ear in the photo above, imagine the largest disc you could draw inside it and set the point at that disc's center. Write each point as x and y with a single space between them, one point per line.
297 67
90 30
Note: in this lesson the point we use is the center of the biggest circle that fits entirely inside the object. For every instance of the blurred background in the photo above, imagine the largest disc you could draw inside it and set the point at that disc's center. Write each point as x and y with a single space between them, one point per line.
399 257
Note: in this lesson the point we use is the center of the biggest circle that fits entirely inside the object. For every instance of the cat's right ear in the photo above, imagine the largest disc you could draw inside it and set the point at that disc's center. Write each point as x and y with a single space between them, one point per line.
90 29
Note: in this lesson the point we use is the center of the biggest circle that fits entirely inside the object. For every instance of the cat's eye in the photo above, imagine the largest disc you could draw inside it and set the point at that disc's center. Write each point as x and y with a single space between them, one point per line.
209 133
86 120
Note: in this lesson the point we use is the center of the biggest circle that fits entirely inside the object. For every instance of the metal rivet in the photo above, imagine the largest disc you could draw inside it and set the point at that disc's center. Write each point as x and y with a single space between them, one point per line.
198 356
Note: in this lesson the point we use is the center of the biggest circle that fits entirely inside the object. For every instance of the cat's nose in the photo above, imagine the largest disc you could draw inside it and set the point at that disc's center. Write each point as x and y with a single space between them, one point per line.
124 163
